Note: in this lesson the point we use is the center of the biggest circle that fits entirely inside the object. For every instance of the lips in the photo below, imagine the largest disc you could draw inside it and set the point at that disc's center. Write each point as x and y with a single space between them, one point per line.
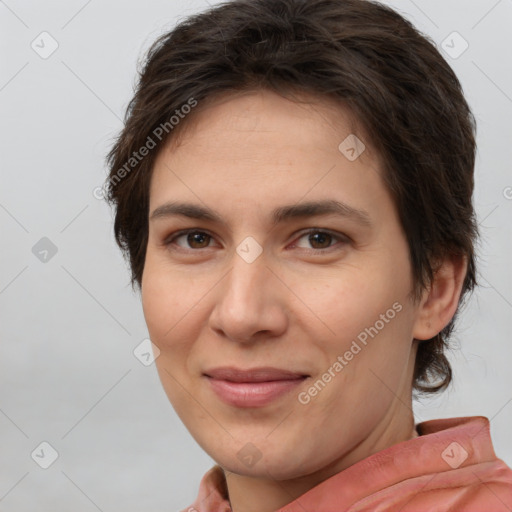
254 375
256 387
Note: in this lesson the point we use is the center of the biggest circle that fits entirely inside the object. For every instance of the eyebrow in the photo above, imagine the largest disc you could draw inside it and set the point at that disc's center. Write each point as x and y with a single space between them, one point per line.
278 216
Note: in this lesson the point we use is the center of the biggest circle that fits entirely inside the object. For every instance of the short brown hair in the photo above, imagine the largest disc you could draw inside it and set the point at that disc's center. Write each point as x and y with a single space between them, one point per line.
366 56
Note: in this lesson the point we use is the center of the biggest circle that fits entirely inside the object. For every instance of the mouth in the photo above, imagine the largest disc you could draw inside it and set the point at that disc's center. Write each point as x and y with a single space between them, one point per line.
255 387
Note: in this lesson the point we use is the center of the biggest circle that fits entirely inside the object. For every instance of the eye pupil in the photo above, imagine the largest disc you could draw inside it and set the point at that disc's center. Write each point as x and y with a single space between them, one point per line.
320 237
192 237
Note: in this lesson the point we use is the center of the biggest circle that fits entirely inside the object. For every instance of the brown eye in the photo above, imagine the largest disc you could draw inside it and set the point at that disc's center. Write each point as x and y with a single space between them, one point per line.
197 237
321 240
194 239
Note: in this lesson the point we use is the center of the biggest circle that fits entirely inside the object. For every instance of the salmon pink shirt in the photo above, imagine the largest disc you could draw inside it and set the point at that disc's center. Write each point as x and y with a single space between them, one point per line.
449 466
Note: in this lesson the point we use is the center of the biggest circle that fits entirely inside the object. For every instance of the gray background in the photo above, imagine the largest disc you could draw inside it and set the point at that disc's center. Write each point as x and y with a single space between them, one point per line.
68 375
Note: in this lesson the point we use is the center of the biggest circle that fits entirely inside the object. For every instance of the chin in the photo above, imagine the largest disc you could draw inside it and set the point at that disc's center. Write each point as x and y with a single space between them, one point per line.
278 460
266 467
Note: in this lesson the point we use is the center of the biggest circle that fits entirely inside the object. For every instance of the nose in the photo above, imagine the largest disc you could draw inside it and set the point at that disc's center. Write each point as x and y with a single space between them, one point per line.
250 302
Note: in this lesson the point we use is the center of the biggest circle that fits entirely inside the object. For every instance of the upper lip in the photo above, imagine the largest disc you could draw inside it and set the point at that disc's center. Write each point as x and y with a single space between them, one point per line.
264 374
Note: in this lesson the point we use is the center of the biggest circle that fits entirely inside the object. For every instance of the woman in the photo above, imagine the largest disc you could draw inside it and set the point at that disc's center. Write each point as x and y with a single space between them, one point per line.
293 190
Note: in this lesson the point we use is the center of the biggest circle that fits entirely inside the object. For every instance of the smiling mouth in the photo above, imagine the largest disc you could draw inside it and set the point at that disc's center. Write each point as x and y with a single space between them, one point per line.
255 387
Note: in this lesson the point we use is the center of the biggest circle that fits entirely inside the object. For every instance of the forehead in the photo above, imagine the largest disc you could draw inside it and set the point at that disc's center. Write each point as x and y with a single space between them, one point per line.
263 110
258 148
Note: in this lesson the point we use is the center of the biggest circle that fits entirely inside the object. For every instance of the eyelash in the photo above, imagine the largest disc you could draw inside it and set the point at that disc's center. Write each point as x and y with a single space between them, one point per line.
340 237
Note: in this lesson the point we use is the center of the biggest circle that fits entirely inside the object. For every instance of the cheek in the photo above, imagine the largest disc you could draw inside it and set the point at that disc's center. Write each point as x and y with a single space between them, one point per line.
170 329
173 305
353 299
167 299
366 318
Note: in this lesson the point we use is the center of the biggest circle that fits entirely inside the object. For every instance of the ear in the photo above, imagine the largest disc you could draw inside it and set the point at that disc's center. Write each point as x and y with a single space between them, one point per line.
440 301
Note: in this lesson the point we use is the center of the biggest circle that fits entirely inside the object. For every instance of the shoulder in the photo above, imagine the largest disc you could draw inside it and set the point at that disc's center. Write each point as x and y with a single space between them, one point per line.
483 487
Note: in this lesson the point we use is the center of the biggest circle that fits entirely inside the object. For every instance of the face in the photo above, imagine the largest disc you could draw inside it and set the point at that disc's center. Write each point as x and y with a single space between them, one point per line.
285 333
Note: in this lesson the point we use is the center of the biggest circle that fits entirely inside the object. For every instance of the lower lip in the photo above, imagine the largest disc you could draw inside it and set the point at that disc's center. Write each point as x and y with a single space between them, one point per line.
252 394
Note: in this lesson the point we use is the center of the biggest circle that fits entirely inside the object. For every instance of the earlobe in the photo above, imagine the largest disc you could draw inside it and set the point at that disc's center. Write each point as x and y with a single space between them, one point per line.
439 303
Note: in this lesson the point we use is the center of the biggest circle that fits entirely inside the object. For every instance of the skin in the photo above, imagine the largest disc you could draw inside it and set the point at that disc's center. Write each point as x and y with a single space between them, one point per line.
298 306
